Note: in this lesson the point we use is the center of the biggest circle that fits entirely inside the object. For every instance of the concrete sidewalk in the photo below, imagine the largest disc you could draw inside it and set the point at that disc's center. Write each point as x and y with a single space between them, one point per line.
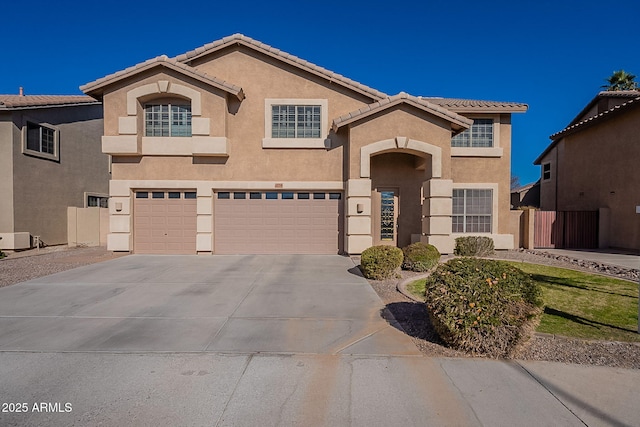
216 389
621 259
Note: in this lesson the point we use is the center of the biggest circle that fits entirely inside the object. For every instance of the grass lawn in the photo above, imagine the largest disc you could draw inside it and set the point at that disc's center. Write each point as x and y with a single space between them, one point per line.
579 304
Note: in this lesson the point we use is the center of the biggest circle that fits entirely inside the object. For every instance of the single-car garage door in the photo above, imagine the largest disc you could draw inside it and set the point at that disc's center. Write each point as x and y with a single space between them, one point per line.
164 222
262 222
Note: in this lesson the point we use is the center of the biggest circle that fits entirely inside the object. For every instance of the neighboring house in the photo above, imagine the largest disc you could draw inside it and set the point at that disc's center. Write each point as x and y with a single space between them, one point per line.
50 158
592 165
238 147
526 196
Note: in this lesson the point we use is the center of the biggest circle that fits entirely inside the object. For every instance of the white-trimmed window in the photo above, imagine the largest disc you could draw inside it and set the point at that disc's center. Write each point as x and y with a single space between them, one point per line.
97 201
172 120
295 123
479 135
472 210
546 171
40 139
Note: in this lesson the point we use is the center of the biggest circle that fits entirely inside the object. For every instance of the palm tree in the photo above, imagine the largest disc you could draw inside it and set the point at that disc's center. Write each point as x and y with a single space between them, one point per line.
620 80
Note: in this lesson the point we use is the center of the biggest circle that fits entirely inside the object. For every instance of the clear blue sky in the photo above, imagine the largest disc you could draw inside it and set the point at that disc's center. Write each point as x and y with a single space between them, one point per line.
552 55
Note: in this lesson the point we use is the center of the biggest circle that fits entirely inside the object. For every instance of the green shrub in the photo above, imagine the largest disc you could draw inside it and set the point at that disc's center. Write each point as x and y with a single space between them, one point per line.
420 257
482 306
474 246
380 262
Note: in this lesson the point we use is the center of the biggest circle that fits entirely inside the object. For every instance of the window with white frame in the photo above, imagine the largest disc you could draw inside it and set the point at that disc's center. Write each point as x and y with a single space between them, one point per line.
296 121
546 171
97 201
479 135
40 138
472 210
167 120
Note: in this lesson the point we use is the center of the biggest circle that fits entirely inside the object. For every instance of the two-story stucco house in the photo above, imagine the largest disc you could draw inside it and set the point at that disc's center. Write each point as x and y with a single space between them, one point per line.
592 165
237 147
50 159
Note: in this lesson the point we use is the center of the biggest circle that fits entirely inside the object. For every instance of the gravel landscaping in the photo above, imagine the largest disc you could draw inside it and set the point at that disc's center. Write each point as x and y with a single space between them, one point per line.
413 317
22 266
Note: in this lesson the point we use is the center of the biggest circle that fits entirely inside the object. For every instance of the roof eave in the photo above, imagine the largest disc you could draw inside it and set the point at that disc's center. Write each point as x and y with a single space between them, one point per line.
490 110
283 57
95 89
458 124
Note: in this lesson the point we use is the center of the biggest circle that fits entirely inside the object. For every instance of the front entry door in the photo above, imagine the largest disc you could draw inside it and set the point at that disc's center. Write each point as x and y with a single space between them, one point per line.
386 216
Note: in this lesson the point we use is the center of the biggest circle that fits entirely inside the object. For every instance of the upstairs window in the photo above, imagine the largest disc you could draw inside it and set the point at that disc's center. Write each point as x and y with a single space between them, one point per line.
167 120
479 135
41 138
546 171
296 121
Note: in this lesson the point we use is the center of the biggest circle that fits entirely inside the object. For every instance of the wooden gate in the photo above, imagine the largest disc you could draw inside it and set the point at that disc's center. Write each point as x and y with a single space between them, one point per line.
566 229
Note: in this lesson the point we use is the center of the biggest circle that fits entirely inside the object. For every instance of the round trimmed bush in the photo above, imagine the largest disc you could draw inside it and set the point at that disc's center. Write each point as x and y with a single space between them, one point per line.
380 262
482 306
420 257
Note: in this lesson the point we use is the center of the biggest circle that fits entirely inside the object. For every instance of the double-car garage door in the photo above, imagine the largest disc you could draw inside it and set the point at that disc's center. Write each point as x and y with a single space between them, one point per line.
244 222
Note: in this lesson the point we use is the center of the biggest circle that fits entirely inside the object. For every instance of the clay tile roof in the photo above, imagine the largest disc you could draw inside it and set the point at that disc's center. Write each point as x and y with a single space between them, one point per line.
459 122
574 127
95 86
10 102
608 113
282 56
475 105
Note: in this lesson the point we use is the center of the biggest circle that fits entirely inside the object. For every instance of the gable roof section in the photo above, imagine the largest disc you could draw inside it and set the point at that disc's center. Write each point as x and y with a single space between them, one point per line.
459 122
576 127
604 94
17 102
240 39
473 105
95 87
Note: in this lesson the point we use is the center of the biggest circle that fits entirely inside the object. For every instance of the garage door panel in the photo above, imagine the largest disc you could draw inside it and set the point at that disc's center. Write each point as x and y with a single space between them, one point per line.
165 226
264 226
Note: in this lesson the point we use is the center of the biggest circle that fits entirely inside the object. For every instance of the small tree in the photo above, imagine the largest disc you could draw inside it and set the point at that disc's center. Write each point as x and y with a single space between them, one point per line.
620 80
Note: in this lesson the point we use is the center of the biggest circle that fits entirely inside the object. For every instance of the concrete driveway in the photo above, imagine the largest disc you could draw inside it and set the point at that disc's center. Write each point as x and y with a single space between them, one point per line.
259 340
228 304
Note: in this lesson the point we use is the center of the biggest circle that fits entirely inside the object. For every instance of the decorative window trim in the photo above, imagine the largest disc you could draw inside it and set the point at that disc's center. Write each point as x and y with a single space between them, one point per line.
546 171
269 142
495 151
55 156
180 112
494 205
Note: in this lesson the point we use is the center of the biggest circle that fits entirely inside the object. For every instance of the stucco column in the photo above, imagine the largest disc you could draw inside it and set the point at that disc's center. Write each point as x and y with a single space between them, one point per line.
437 209
358 216
120 218
204 225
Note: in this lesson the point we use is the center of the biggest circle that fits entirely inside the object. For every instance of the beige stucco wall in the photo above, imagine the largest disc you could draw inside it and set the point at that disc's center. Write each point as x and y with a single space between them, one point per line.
45 188
402 121
548 186
490 170
589 179
6 173
260 77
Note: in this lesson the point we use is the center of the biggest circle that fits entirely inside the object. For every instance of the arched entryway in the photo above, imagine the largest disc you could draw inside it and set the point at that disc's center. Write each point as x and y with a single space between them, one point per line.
396 197
400 197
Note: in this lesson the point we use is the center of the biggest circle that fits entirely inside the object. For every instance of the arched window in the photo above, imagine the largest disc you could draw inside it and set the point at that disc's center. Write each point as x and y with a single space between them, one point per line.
167 119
